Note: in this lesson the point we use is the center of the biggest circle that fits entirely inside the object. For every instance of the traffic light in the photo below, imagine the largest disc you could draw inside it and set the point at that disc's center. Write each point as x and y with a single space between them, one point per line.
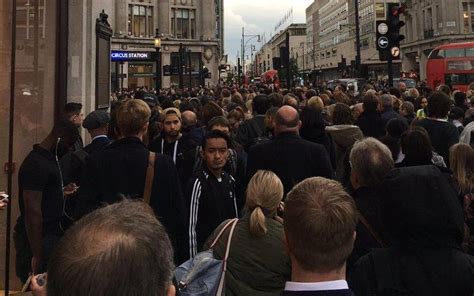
394 23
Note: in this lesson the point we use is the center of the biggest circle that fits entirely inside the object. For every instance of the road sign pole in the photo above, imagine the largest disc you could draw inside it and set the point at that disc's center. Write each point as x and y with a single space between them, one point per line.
390 70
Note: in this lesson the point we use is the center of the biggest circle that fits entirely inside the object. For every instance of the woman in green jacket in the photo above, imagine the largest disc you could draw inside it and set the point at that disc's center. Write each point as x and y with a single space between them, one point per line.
258 264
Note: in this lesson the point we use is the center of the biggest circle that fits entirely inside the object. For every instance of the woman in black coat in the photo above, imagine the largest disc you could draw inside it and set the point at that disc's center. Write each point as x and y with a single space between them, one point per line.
313 129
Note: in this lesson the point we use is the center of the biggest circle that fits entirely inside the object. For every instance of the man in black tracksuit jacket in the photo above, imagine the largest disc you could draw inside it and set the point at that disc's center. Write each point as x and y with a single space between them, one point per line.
210 194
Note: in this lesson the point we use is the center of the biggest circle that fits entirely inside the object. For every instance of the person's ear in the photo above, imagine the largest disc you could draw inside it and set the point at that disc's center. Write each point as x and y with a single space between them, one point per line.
299 124
355 180
145 127
201 152
171 291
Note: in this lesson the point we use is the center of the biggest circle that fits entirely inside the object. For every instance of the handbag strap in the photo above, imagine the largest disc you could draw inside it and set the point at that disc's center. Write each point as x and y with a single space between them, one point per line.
220 289
222 232
150 174
374 234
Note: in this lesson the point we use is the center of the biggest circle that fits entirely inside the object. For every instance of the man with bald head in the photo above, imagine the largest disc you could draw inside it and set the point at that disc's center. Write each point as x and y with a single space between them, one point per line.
190 127
289 156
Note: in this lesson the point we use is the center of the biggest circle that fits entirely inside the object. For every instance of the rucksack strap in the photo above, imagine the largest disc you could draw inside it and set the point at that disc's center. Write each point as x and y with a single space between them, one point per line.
150 174
372 231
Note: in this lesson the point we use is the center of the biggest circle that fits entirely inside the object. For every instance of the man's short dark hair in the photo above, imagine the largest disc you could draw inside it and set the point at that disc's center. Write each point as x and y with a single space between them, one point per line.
416 145
396 127
444 89
439 105
276 99
342 114
120 249
370 102
215 134
394 91
72 109
261 104
218 121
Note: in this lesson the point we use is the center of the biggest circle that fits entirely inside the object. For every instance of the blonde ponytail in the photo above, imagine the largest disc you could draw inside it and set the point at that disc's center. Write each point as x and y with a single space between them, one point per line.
264 194
257 225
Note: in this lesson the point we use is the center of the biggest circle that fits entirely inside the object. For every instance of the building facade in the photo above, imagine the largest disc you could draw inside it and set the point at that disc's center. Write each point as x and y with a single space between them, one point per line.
433 23
195 26
271 49
334 37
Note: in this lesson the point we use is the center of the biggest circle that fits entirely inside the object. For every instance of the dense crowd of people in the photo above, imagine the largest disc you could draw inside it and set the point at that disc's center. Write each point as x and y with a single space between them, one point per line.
299 192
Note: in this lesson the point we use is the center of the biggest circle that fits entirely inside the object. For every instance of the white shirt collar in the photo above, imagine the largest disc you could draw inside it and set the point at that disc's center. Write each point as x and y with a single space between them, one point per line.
320 286
438 119
99 136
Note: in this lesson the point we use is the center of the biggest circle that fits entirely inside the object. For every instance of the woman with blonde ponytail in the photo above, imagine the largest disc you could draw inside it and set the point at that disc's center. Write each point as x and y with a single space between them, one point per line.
258 264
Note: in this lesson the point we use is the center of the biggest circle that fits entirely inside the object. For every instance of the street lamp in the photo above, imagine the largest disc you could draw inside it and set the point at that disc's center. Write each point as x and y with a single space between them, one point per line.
157 42
188 51
244 45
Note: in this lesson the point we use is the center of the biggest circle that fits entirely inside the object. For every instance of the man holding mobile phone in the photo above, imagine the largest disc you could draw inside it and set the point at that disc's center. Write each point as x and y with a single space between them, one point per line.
3 200
41 200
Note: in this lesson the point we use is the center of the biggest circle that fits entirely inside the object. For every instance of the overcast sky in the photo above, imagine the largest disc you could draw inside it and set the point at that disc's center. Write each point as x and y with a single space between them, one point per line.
258 17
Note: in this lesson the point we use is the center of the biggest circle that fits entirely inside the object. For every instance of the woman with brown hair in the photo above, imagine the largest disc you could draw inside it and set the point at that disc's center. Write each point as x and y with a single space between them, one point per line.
461 159
258 264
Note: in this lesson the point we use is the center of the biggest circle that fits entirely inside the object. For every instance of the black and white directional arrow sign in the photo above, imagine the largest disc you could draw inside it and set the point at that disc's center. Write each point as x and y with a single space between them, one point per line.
383 42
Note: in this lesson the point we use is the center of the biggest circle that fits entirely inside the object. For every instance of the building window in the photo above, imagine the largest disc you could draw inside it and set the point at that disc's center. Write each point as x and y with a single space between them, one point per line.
380 10
183 23
140 20
466 17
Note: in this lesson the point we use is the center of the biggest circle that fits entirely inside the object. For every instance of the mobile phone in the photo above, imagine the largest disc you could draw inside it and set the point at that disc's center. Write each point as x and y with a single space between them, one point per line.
3 197
41 279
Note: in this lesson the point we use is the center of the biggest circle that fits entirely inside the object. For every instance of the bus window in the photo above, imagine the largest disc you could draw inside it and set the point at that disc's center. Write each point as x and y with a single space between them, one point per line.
470 52
469 78
453 79
436 54
455 53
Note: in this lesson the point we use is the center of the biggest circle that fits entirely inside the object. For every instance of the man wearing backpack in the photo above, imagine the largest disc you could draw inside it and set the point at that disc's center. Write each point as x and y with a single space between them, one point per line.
210 193
252 130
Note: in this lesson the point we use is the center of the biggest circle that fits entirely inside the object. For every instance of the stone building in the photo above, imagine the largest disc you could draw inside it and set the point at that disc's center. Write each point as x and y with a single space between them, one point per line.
196 26
271 49
334 39
433 23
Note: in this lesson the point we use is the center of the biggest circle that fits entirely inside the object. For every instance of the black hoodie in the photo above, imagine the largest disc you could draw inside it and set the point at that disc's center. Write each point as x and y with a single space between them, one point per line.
424 219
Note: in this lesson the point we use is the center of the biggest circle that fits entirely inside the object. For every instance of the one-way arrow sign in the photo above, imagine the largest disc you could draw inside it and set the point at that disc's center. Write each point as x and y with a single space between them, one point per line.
383 42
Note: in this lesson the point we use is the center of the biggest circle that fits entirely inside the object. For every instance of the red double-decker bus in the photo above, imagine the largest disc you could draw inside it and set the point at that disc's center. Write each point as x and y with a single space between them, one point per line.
451 64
